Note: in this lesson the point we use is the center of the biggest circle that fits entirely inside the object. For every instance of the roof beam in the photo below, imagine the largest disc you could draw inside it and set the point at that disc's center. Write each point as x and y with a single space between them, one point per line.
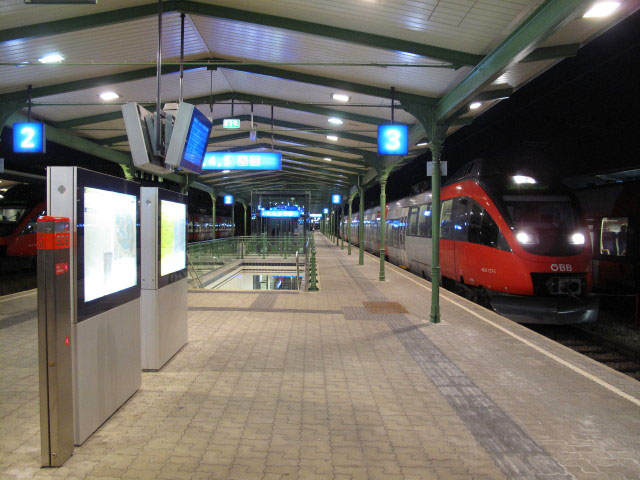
536 28
150 72
256 99
74 24
87 146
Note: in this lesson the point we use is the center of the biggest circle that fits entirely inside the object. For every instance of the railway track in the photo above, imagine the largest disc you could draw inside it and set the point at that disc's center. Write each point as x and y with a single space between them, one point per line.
593 346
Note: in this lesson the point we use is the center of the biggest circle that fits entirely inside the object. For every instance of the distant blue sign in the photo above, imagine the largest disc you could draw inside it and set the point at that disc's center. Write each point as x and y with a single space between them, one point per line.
326 211
28 138
242 161
228 199
280 213
393 139
336 199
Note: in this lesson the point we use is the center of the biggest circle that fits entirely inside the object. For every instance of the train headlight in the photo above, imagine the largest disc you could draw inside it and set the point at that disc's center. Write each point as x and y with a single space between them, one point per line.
526 238
576 239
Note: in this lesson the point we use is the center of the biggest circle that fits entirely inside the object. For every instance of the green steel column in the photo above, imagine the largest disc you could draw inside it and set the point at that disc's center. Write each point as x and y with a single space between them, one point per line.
213 212
337 227
233 217
436 148
128 171
383 220
244 231
341 230
361 226
349 226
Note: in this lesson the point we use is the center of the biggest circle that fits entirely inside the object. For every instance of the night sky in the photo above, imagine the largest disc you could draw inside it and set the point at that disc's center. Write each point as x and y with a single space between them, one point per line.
581 116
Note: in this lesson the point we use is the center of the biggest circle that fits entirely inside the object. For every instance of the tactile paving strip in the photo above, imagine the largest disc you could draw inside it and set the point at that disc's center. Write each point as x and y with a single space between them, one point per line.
513 450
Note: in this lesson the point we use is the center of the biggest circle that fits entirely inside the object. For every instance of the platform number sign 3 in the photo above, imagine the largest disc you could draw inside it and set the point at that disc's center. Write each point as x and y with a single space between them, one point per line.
28 138
393 139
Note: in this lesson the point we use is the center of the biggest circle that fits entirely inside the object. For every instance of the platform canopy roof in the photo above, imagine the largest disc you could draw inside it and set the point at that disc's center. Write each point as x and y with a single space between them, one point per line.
283 60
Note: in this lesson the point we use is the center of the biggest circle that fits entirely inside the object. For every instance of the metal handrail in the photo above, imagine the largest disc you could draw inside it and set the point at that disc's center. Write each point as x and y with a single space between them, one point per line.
210 255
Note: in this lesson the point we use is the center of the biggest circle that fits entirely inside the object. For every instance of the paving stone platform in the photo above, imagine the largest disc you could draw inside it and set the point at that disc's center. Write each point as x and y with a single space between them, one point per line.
351 382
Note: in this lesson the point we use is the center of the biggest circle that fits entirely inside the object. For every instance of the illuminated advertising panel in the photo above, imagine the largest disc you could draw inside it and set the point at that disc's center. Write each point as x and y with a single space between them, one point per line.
173 236
242 161
393 139
110 242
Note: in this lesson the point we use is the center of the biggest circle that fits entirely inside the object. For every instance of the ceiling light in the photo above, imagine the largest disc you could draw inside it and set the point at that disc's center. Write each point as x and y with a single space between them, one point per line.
226 171
327 159
333 138
601 9
51 58
109 96
422 144
340 97
335 121
475 105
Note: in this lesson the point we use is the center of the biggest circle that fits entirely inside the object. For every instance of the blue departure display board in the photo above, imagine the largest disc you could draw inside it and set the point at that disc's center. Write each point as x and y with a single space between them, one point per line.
336 199
196 142
28 138
228 199
242 161
393 139
280 213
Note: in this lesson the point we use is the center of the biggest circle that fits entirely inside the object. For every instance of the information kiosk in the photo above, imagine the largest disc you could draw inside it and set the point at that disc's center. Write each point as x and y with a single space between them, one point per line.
104 266
164 276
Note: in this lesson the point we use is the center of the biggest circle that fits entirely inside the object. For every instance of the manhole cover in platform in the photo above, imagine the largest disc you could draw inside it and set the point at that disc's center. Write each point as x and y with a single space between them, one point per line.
384 307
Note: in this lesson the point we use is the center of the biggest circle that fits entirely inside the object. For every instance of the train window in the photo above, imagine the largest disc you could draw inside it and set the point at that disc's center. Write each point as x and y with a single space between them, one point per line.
446 220
31 225
460 219
424 223
614 234
413 221
483 230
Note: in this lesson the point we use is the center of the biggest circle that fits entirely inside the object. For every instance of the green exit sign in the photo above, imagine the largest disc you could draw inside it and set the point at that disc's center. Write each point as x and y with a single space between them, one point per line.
231 123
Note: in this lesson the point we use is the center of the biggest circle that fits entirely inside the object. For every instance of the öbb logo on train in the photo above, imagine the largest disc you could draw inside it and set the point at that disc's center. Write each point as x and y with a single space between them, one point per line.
561 267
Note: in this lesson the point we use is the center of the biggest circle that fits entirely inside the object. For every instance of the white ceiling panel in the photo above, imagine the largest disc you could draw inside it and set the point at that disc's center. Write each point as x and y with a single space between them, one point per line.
243 41
120 43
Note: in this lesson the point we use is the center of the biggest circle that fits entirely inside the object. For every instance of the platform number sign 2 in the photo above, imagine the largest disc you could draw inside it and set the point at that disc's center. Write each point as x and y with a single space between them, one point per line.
393 139
28 138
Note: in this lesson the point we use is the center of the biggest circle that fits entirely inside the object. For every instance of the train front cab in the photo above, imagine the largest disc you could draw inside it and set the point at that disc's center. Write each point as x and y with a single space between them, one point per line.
535 264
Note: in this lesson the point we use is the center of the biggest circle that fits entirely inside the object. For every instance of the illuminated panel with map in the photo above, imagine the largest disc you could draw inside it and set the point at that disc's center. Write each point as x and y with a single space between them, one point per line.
110 253
108 225
173 248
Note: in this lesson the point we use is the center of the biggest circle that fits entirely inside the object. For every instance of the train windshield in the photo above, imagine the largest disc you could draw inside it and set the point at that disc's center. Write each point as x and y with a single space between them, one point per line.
10 216
546 225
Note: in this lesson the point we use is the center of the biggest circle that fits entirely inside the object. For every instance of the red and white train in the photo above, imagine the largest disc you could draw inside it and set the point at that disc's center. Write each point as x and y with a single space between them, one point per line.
511 241
23 204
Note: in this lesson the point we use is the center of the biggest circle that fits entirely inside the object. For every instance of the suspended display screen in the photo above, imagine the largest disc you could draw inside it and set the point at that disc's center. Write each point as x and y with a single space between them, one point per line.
242 161
110 242
173 237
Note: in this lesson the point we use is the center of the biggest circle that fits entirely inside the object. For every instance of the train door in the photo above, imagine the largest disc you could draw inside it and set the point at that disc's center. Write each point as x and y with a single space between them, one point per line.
447 245
460 218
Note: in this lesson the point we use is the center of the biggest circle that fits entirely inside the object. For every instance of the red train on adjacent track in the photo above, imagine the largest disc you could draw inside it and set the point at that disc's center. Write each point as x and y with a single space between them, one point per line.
512 241
23 204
